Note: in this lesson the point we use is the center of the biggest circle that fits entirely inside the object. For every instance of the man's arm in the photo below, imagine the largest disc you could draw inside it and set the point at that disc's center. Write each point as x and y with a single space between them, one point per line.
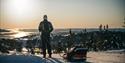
40 27
51 27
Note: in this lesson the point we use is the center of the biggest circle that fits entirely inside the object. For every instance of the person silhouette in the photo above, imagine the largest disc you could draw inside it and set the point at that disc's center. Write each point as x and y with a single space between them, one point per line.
45 28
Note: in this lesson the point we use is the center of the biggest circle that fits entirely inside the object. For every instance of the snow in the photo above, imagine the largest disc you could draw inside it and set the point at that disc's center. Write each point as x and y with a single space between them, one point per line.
116 51
92 57
104 57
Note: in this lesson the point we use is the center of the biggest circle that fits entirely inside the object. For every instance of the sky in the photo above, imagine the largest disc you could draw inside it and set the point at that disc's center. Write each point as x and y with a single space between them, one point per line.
62 13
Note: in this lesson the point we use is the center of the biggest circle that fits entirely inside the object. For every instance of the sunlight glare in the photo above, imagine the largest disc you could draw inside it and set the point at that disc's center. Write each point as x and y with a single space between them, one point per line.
23 10
20 34
20 6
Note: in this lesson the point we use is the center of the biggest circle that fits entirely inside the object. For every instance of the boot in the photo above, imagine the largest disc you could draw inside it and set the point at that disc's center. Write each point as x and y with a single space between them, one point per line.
44 55
50 55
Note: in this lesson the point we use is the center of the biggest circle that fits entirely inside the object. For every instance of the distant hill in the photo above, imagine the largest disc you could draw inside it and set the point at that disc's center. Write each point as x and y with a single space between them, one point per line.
28 30
4 30
74 30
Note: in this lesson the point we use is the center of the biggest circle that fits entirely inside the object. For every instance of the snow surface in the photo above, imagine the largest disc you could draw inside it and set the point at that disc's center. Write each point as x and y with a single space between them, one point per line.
92 57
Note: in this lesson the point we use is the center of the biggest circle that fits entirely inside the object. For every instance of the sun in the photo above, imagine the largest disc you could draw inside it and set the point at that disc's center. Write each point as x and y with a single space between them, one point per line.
21 6
22 10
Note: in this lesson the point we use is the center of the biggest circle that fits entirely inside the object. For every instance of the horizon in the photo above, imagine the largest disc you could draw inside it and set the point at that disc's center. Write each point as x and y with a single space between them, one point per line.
63 14
57 28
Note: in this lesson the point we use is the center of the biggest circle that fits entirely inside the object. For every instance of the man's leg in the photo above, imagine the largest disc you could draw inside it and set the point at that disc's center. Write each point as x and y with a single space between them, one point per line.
49 47
44 48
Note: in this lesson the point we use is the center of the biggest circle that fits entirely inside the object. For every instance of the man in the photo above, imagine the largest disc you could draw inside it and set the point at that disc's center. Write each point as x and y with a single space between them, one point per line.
45 27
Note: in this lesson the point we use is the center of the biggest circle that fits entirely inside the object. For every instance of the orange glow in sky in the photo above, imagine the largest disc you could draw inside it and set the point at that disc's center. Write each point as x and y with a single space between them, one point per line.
62 13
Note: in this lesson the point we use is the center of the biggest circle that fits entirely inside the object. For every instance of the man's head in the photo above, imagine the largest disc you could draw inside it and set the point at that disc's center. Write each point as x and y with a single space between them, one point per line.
45 17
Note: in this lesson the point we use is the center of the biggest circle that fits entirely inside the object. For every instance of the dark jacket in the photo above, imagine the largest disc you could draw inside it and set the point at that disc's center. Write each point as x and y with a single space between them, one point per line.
45 27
